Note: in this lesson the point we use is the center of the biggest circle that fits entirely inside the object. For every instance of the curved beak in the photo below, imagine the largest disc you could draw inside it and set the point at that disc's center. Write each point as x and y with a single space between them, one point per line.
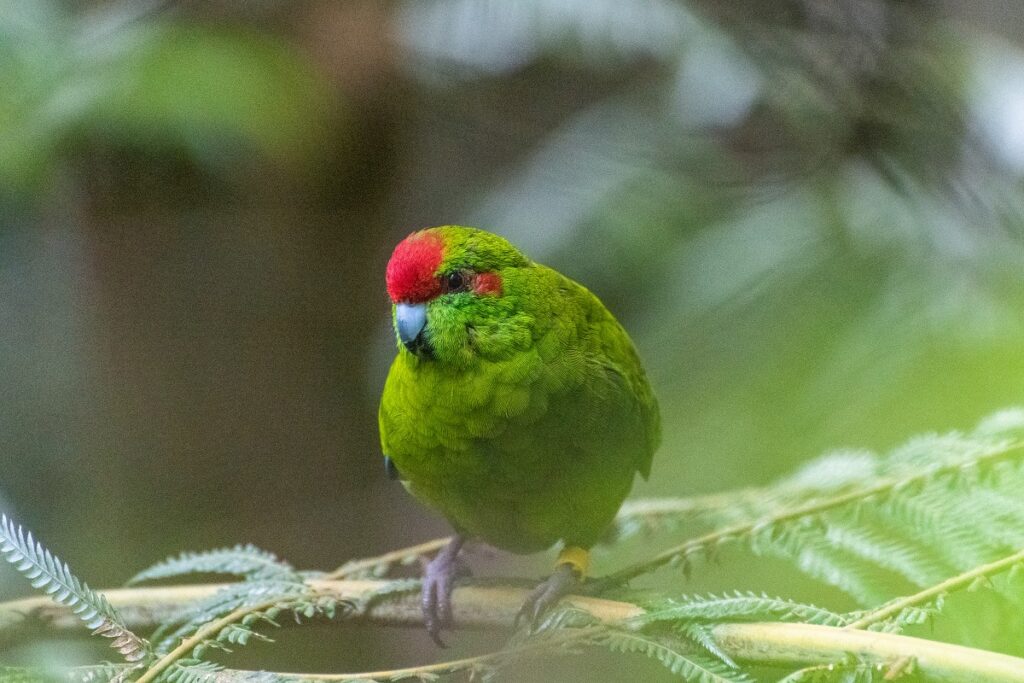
410 319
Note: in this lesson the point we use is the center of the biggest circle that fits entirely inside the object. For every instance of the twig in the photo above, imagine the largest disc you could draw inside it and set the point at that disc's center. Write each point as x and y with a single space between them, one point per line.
208 630
387 559
894 607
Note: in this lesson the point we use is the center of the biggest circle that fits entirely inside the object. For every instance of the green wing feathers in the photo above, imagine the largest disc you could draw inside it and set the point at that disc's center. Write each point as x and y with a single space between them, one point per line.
606 344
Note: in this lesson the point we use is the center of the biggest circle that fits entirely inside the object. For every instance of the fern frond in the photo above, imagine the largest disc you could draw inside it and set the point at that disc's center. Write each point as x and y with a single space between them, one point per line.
885 548
236 627
914 615
932 597
377 567
222 603
248 561
848 672
239 627
47 572
239 634
927 514
700 635
567 617
673 656
389 589
807 547
193 672
739 607
828 475
938 505
102 673
559 622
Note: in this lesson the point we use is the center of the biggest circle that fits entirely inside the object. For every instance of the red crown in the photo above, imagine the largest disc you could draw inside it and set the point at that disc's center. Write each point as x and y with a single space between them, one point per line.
412 271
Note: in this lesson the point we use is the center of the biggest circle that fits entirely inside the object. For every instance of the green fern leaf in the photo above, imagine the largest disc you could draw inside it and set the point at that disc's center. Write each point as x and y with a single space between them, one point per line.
847 672
102 673
700 635
193 672
246 561
805 544
47 572
221 603
739 607
884 547
673 656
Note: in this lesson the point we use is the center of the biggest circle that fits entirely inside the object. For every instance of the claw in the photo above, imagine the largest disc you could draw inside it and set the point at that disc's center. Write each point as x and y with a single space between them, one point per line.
438 582
547 594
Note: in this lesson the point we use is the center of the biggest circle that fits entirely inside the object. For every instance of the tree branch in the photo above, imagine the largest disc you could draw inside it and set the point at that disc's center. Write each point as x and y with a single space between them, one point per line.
495 607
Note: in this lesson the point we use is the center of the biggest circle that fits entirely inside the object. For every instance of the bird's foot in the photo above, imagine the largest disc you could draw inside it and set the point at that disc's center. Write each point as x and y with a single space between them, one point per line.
439 578
570 569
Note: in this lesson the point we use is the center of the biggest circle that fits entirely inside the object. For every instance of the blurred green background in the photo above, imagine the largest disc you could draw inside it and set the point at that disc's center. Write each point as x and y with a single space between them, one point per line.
809 216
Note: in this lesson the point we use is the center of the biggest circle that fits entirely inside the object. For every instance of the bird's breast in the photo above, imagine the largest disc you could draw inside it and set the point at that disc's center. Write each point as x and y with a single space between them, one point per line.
476 422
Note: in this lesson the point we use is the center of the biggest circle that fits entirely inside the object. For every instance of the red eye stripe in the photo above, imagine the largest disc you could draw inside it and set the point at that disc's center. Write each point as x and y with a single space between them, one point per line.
411 272
487 283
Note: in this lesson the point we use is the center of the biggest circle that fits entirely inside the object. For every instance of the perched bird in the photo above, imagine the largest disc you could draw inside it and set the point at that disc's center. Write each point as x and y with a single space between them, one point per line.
517 406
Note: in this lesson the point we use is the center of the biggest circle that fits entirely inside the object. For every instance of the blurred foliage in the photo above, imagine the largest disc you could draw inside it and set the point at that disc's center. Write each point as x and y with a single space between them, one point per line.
807 214
160 83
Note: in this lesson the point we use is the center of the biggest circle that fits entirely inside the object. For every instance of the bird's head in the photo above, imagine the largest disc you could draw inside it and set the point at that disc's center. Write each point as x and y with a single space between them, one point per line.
455 292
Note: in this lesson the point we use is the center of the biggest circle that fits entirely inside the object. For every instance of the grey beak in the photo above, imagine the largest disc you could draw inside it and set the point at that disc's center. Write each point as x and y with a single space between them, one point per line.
410 319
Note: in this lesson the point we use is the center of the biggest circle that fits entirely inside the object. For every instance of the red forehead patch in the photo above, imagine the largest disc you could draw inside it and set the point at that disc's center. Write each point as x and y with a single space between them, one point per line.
411 272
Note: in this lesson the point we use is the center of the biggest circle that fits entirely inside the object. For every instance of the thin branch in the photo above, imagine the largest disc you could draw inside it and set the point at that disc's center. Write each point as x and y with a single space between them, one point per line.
691 505
809 644
209 630
742 529
894 607
386 560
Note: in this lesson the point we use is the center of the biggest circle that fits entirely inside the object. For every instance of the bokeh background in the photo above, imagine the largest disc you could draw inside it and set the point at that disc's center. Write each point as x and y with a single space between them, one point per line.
809 216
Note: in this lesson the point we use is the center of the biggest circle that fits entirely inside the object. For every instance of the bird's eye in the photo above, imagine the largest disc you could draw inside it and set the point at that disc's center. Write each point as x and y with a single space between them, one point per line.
456 281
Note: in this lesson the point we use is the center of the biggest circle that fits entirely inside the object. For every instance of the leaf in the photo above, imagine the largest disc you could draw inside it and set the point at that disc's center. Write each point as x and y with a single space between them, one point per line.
192 672
46 572
117 73
241 560
700 634
739 607
933 508
223 602
102 673
205 87
692 667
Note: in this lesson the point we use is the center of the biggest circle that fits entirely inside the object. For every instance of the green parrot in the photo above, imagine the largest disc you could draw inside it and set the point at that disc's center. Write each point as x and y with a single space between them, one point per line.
517 406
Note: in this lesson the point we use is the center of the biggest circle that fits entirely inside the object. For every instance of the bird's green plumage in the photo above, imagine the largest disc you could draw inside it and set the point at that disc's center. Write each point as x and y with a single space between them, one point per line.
527 424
